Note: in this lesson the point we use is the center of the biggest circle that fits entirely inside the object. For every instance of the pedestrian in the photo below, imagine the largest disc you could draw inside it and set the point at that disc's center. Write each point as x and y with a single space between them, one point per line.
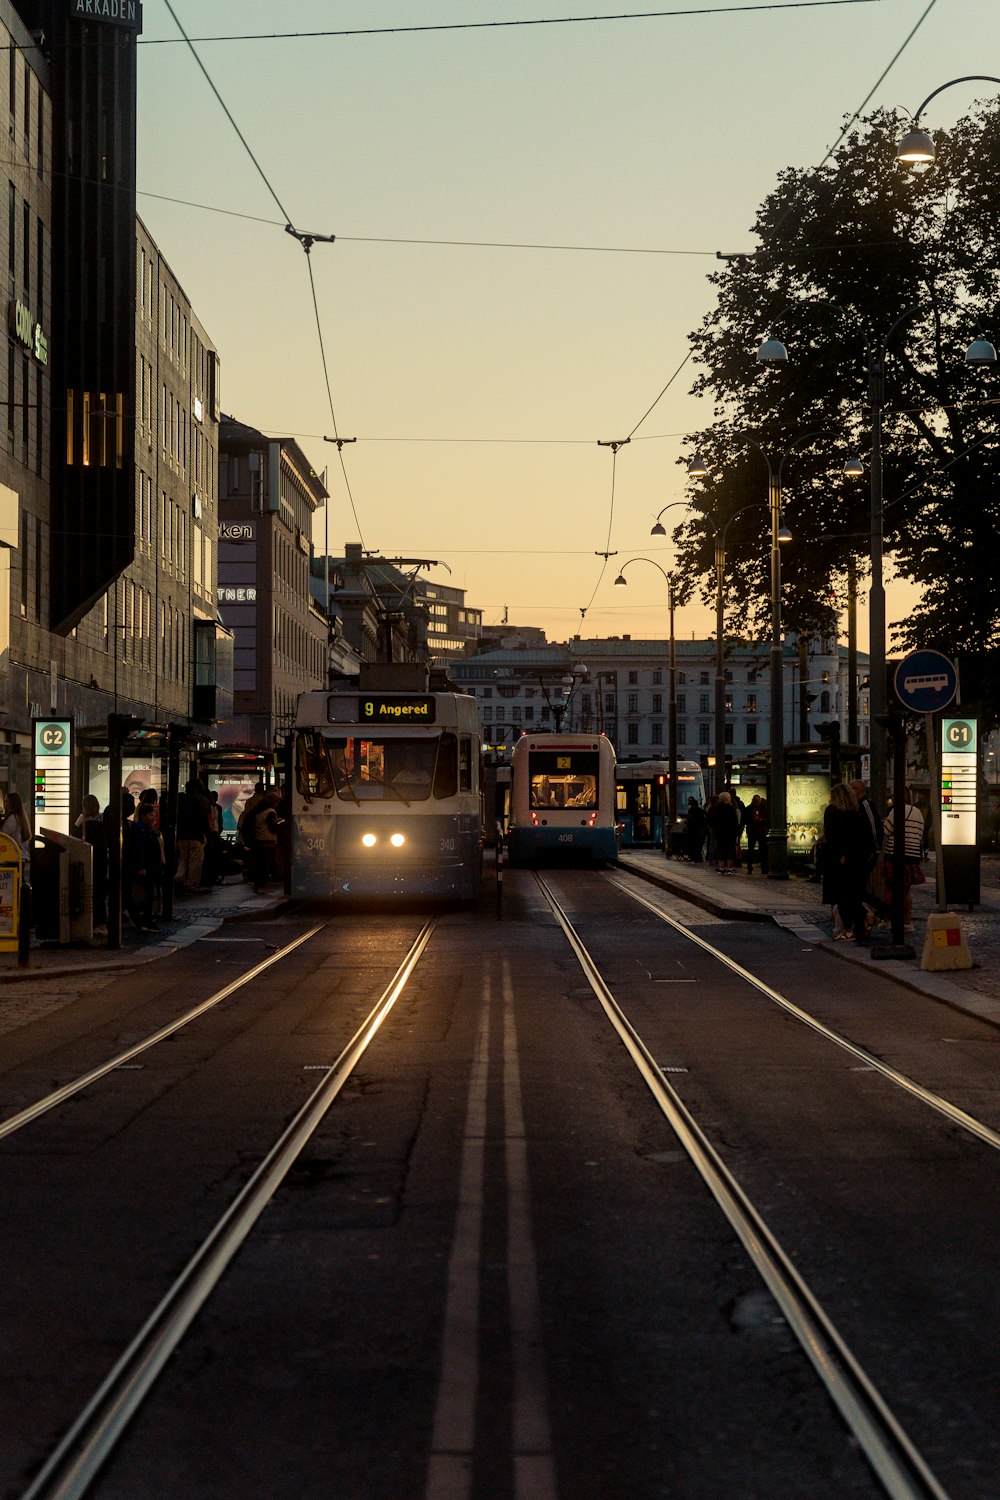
264 850
845 863
694 831
92 828
192 836
741 814
724 821
875 878
15 823
758 824
142 868
909 868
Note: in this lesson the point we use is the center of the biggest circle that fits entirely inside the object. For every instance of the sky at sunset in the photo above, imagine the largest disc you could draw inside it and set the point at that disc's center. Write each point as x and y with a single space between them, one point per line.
479 380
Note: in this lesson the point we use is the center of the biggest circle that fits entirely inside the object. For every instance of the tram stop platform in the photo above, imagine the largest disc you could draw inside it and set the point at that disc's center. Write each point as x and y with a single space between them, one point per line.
194 915
796 904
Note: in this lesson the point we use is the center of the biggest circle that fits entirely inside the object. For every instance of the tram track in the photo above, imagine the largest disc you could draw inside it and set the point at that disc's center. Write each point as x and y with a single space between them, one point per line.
926 1096
890 1452
76 1085
76 1460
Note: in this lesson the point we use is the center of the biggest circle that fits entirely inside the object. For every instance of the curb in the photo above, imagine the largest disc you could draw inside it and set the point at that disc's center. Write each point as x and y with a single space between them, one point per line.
136 958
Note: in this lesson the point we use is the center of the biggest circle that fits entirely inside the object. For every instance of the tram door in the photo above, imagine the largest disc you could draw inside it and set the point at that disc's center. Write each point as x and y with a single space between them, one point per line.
643 815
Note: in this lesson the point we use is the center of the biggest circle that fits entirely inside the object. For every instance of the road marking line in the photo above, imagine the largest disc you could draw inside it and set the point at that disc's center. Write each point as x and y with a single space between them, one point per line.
450 1471
534 1471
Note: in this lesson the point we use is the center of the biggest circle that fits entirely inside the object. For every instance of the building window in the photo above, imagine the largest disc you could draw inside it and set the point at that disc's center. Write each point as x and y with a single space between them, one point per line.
657 677
824 702
682 734
751 734
703 732
728 728
751 703
633 703
703 678
729 703
633 734
682 677
529 712
487 692
487 715
515 712
682 703
633 678
703 703
657 703
656 732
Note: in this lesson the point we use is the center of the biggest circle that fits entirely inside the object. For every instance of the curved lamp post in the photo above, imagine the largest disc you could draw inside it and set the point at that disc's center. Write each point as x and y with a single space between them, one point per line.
916 145
671 809
658 528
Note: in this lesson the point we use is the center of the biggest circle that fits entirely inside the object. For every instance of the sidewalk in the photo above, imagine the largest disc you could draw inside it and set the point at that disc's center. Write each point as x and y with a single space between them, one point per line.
193 917
796 904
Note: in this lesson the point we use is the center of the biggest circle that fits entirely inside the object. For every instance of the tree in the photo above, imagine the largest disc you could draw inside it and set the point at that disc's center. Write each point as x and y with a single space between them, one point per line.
845 249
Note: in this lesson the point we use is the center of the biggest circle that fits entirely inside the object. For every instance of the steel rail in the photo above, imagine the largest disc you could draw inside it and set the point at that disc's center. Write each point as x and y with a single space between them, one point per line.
901 1080
77 1085
75 1463
894 1459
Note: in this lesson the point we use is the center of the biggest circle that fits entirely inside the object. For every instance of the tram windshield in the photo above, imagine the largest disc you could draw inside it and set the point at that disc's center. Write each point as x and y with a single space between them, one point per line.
363 769
561 778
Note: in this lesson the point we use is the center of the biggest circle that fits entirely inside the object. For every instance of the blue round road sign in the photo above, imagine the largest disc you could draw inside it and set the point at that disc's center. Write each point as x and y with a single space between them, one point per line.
925 681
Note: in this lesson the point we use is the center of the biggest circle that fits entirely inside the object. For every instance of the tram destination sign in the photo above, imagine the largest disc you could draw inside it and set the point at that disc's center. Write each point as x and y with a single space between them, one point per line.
396 708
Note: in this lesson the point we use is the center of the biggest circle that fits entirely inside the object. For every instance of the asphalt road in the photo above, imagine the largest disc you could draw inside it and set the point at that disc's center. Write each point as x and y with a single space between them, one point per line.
494 1272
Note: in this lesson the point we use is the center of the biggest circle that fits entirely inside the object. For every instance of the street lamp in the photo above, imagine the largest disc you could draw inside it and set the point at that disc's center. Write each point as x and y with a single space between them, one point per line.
916 145
670 811
658 528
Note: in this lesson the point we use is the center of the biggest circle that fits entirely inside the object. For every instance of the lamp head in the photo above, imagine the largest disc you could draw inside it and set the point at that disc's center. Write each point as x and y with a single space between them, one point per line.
697 468
784 535
981 352
854 468
916 146
621 580
772 352
658 530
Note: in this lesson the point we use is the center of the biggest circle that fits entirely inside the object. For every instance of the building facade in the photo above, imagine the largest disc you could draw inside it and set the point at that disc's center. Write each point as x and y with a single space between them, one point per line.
268 493
621 687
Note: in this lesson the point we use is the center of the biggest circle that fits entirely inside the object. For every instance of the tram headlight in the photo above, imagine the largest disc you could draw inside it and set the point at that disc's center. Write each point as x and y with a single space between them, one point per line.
397 840
369 840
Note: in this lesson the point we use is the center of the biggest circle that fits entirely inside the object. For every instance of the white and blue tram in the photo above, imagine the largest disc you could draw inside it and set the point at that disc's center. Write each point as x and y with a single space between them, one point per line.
386 791
643 795
562 799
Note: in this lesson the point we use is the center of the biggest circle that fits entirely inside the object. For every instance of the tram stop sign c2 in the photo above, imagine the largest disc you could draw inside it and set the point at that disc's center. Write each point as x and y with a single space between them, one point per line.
925 681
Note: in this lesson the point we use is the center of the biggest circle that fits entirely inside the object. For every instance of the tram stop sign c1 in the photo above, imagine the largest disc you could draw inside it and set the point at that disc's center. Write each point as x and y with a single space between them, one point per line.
925 681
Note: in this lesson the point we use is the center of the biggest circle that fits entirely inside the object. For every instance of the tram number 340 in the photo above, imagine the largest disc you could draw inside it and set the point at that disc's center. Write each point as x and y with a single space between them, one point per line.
315 844
447 846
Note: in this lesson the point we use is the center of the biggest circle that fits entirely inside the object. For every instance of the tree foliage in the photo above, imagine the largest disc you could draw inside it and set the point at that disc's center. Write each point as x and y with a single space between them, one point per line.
844 251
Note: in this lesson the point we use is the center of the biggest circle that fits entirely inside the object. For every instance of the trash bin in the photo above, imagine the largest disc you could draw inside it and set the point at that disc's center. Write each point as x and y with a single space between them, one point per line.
62 878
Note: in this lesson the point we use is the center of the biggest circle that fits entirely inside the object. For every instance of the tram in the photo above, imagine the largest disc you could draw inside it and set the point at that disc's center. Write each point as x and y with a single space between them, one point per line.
562 800
386 796
641 796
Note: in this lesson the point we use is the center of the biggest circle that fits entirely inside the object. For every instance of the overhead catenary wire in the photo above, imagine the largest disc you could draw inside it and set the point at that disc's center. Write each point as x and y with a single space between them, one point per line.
642 15
305 240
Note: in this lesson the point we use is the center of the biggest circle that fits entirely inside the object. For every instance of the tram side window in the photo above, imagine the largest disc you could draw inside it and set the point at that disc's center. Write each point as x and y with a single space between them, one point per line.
465 764
313 774
446 771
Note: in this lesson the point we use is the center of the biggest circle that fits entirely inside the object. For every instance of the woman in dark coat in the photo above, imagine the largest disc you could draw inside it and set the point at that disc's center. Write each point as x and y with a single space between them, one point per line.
725 824
845 861
694 831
